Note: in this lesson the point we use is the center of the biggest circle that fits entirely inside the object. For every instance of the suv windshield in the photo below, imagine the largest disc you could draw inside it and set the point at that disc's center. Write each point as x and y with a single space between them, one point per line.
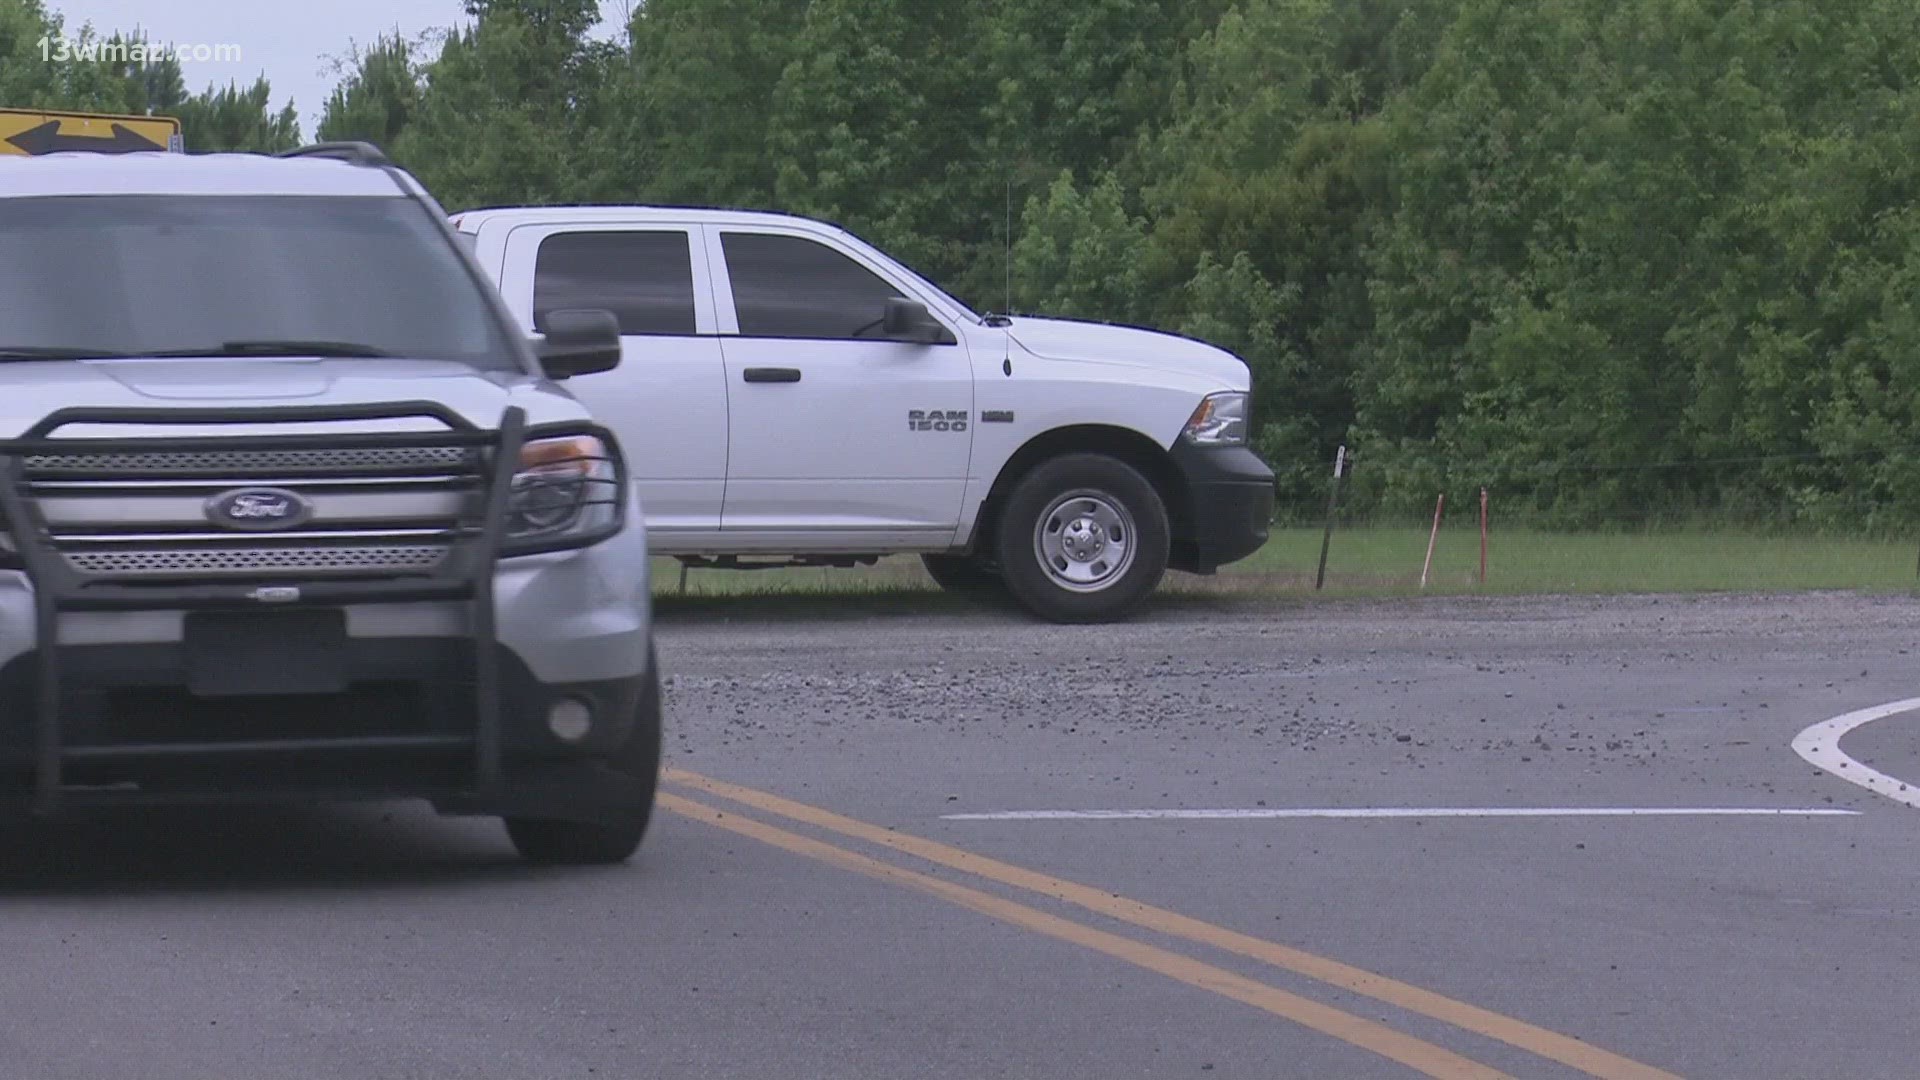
143 275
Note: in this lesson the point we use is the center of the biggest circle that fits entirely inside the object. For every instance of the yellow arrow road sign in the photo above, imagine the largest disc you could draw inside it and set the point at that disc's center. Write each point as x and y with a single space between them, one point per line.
43 131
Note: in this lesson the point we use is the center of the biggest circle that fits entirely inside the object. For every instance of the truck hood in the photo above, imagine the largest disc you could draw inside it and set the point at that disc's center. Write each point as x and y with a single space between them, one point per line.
1063 339
30 390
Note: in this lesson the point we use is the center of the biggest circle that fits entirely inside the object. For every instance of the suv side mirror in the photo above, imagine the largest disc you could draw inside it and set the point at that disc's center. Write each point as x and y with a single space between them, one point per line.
579 341
908 320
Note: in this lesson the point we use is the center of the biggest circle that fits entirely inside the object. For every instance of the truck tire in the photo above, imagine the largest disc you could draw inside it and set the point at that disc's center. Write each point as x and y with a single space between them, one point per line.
1083 538
964 575
576 843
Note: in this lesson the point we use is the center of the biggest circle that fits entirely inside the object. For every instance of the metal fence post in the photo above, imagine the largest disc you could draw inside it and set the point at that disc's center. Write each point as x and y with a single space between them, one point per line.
1433 537
1483 536
1333 507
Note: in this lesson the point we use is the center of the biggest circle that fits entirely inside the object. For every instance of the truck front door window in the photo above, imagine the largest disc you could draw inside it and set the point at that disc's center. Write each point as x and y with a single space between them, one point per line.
792 287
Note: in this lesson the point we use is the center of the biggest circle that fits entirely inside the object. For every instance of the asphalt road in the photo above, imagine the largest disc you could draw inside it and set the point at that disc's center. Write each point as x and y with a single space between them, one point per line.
834 887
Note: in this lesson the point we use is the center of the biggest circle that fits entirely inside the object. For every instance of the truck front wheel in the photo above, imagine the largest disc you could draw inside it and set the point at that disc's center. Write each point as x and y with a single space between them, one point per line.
1082 538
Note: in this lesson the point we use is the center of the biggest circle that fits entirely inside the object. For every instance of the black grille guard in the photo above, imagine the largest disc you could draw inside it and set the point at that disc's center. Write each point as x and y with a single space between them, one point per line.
465 574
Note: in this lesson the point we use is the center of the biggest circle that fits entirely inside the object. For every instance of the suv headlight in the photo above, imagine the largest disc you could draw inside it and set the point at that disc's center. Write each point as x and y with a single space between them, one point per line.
1221 420
568 492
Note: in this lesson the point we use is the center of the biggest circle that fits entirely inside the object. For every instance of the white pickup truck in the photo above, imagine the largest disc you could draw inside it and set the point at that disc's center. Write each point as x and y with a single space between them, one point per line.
790 393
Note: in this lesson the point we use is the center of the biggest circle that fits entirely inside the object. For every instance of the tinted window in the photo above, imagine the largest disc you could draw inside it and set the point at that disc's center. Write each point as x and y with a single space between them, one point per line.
788 286
644 278
135 274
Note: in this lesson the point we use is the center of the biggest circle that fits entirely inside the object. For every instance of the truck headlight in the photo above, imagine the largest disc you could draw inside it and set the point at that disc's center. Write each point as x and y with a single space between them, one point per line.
1221 420
568 492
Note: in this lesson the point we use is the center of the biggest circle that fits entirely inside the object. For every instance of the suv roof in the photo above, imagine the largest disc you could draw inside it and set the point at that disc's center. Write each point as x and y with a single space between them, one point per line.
470 220
154 173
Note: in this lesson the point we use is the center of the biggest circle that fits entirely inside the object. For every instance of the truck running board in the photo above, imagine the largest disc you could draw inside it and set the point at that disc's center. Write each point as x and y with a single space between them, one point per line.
732 562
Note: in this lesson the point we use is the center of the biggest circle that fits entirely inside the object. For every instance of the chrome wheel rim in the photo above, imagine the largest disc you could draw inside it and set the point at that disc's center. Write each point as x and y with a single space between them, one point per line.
1084 541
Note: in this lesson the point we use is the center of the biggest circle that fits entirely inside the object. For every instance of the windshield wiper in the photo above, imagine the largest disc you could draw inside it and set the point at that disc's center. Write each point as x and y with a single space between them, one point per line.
278 347
54 352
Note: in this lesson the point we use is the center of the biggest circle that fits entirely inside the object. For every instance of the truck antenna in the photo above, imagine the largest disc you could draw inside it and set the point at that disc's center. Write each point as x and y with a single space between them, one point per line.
1008 310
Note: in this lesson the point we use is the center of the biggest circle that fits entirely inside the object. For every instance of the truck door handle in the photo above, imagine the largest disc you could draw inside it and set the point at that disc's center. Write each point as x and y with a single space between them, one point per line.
771 374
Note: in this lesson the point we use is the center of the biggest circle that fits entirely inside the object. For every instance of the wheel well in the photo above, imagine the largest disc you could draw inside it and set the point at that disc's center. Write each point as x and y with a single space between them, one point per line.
1145 455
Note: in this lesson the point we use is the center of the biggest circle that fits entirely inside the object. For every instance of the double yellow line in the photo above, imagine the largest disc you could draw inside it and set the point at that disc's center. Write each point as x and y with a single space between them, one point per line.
1416 1054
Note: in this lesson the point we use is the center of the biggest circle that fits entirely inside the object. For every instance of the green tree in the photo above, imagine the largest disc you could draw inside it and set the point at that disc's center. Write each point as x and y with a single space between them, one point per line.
695 103
876 126
1632 235
1274 158
377 99
25 78
233 119
1079 252
511 106
1073 84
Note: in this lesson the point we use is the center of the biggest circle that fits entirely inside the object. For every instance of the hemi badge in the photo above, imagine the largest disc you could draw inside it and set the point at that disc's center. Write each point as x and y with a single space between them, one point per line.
996 416
275 594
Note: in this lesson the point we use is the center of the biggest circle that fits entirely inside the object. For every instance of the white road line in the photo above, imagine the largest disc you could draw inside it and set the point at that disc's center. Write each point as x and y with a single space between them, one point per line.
1820 746
1401 812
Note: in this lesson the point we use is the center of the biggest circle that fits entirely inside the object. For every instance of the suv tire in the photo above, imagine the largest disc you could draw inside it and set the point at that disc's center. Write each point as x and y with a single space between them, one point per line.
575 843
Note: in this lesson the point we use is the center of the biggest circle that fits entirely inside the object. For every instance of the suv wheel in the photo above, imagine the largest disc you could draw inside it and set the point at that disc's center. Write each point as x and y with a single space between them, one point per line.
1083 538
576 843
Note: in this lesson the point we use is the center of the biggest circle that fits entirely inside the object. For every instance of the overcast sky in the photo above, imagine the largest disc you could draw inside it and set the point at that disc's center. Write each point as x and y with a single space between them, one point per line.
290 41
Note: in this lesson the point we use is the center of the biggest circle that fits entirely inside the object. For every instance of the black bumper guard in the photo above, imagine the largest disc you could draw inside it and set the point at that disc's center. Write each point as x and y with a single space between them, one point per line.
465 574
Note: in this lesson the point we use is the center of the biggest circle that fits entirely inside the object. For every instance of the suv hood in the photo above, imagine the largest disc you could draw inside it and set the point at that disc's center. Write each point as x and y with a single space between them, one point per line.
1064 339
30 390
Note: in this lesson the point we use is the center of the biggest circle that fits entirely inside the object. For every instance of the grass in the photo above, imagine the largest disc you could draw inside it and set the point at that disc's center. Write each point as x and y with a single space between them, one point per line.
1525 561
812 592
1385 561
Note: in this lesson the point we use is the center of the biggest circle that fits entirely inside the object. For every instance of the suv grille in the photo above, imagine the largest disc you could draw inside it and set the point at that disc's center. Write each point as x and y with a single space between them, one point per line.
305 559
406 460
147 516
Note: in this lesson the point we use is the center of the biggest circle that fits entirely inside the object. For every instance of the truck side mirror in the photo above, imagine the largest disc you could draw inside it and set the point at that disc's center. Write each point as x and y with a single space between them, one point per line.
579 341
909 320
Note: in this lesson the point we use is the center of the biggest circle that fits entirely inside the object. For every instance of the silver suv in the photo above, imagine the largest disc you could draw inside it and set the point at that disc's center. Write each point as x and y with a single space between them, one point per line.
293 511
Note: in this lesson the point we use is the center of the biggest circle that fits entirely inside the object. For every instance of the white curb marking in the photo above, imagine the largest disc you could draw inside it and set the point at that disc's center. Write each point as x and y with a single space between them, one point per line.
1405 812
1820 746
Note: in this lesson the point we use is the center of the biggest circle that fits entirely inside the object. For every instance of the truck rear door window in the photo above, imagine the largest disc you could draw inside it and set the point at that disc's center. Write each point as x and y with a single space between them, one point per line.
644 278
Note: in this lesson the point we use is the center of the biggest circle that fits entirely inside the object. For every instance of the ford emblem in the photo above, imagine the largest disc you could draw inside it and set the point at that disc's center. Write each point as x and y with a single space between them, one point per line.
259 509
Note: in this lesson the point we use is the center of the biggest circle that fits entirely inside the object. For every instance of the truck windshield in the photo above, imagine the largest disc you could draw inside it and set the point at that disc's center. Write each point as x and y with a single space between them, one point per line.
145 275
